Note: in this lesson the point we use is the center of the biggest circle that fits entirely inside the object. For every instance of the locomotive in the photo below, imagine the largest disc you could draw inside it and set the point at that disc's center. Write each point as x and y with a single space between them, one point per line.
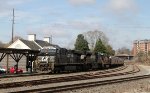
60 60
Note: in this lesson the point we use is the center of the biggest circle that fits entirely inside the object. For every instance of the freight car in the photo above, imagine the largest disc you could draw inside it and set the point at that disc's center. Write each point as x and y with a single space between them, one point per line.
59 60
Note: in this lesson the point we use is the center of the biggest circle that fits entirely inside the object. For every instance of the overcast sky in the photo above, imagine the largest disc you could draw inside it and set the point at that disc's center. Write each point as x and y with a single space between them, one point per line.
121 20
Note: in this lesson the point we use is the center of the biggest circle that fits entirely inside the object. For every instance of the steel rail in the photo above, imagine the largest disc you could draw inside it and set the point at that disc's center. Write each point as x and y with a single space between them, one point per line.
62 79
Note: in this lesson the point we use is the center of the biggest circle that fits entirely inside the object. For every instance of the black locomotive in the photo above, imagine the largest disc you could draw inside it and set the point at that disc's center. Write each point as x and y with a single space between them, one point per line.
58 60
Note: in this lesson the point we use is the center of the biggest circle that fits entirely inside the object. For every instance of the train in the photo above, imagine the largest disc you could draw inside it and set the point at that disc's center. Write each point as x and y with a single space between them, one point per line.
60 60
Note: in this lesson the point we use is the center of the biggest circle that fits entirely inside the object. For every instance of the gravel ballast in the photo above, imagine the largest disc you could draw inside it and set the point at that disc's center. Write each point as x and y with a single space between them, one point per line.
124 87
139 86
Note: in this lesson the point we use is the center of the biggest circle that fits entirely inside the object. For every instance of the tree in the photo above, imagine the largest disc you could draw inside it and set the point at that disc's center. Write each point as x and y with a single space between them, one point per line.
2 44
81 43
14 39
123 50
109 50
93 36
100 47
141 56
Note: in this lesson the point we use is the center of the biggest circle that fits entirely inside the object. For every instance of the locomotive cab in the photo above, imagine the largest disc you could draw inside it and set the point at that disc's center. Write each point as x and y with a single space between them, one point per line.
46 60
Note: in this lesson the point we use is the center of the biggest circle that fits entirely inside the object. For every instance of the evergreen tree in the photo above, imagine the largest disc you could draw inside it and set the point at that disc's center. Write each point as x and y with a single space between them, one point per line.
81 43
110 51
100 47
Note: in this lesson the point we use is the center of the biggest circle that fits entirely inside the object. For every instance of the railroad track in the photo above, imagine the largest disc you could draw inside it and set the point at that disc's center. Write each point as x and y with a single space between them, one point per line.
82 85
65 79
39 74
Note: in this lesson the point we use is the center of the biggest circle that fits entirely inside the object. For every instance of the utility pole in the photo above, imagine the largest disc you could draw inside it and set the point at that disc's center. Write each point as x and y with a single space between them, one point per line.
13 19
51 39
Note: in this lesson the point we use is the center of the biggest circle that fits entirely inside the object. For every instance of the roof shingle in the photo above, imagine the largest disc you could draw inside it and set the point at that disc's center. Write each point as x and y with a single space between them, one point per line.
31 44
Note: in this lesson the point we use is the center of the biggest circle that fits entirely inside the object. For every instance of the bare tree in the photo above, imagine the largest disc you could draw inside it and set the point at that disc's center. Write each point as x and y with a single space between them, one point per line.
93 36
2 44
123 50
17 37
10 42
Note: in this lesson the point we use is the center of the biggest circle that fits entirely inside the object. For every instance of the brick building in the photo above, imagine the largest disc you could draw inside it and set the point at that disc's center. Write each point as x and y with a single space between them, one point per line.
141 46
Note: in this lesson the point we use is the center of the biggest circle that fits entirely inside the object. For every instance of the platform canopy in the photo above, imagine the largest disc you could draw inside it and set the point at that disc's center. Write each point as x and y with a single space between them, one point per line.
17 54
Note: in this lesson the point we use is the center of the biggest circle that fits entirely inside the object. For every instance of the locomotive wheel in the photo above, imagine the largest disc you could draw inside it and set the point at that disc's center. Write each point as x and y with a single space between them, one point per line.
57 70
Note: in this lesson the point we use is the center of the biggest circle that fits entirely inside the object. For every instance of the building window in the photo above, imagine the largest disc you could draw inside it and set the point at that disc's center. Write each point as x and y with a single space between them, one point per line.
146 47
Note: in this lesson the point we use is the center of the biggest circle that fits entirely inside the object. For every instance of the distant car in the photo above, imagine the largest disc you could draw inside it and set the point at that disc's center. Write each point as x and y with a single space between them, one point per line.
2 70
20 70
12 70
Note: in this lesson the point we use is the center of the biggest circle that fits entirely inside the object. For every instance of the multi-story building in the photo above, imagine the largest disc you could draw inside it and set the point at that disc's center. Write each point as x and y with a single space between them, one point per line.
141 46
